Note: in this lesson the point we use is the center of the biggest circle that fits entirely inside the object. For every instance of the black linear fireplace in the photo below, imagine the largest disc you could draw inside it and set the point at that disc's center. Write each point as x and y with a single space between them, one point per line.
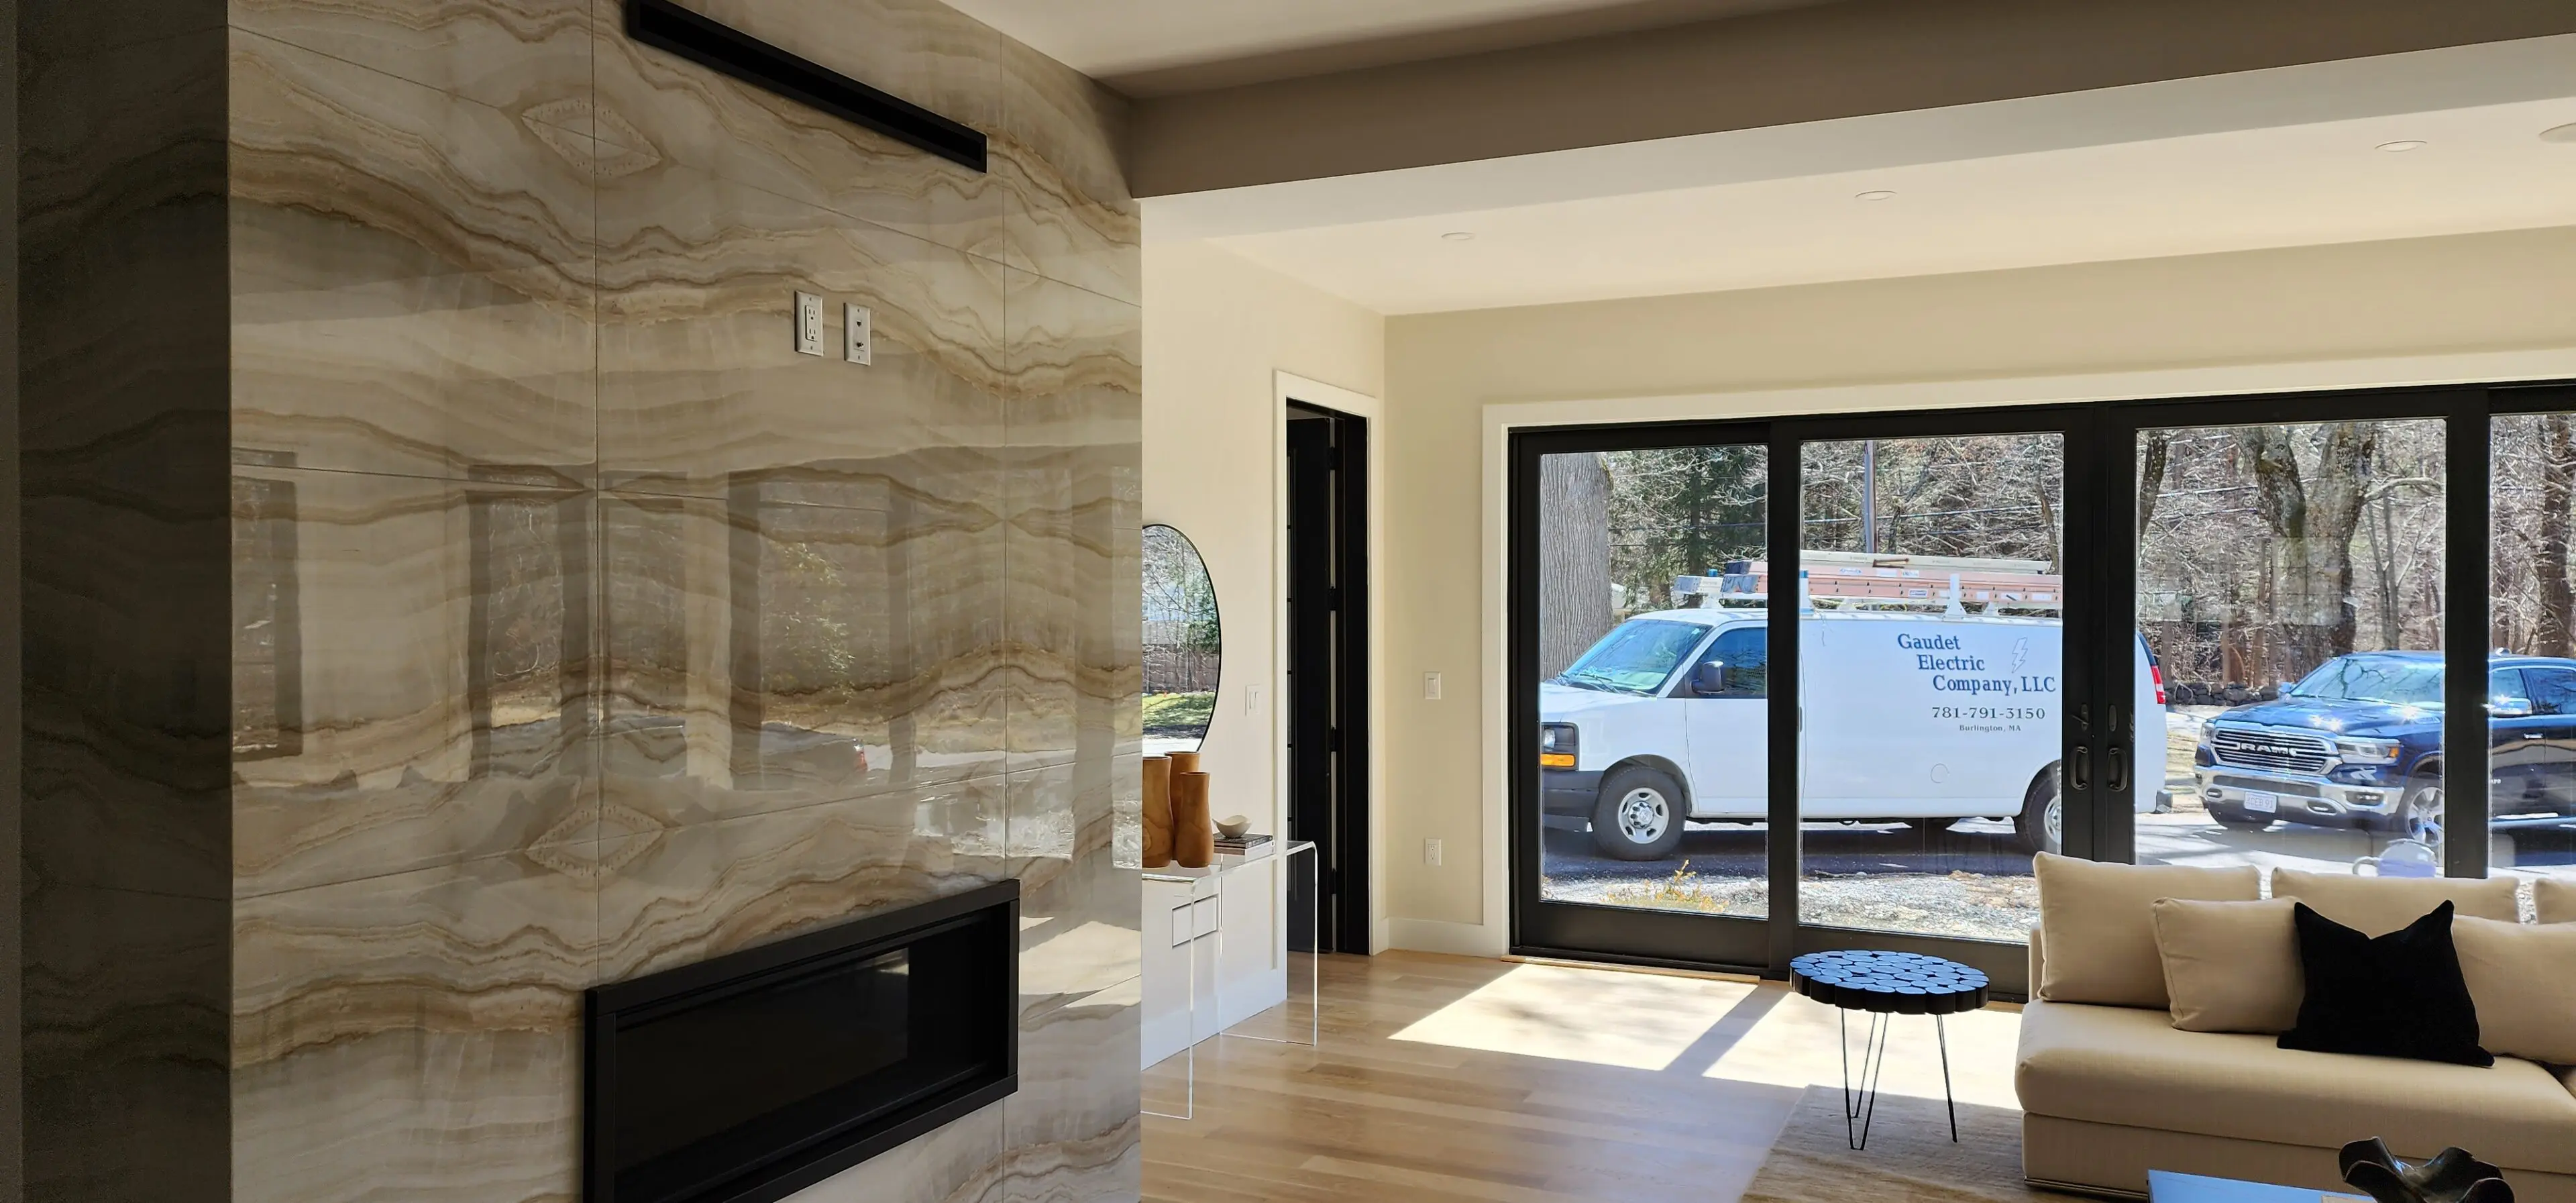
749 1077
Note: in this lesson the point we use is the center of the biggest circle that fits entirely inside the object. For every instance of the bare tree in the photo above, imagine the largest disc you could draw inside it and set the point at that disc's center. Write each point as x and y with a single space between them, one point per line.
1573 558
2312 516
2155 450
2550 633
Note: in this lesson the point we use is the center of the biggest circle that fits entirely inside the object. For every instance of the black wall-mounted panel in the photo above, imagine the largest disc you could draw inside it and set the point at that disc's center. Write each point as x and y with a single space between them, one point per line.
667 26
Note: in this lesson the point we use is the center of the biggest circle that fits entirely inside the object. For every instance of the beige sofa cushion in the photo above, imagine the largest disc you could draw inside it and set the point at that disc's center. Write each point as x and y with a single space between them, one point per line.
2557 899
2230 966
2523 978
2376 906
2121 1065
2102 940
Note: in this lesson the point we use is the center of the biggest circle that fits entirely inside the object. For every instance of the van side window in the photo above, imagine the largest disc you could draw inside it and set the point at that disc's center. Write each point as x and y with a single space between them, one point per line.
2504 688
1746 653
2553 690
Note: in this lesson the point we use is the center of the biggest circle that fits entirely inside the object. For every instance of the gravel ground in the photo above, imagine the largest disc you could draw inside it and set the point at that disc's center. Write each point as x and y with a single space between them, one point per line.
1971 881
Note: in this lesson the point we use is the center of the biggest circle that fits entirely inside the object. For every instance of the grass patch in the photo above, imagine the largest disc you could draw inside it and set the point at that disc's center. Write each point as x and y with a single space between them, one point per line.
1178 713
1683 891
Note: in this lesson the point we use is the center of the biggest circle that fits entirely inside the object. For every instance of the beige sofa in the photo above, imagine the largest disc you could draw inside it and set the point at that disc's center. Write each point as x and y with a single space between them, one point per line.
2109 1092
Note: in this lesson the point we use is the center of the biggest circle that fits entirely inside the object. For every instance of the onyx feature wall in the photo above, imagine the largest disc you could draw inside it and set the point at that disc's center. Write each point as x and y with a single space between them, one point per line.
472 598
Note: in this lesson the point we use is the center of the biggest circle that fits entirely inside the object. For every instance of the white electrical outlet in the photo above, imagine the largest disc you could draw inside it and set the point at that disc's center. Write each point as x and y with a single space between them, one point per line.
860 324
1431 852
1431 687
809 324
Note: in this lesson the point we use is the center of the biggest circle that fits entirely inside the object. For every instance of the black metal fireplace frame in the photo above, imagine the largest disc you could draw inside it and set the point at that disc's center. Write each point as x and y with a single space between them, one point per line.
779 1176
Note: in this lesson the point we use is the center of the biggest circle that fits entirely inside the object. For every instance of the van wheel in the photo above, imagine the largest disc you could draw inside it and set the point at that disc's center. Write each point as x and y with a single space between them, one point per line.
2041 825
1639 816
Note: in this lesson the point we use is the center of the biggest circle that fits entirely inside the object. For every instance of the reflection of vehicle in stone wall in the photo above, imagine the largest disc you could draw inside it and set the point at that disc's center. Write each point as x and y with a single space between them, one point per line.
1924 718
2358 743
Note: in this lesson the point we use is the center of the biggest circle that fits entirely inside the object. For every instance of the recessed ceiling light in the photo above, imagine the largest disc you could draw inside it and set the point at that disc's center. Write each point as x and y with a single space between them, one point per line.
1876 194
2563 133
2402 146
1458 236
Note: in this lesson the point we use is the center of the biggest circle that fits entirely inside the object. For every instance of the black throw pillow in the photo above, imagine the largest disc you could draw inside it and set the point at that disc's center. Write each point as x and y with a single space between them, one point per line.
2400 995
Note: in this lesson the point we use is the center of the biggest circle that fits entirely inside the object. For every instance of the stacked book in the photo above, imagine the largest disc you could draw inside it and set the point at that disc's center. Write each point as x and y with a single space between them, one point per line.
1246 845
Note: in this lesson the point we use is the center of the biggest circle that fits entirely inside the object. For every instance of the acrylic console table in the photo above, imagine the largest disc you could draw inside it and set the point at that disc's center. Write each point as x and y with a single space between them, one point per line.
1243 956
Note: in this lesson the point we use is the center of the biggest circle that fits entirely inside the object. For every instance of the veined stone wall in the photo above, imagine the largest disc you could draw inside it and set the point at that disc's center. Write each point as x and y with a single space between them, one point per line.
467 596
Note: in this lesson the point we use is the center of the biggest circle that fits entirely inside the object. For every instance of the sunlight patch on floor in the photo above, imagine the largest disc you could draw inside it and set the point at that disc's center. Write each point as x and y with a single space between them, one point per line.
1635 1020
1794 1044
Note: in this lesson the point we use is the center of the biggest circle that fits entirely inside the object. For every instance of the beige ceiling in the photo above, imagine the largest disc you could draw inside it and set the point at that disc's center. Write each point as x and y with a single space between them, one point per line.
1159 47
2483 169
2282 157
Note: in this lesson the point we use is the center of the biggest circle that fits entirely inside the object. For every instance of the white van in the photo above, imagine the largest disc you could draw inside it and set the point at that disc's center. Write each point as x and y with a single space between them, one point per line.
1910 717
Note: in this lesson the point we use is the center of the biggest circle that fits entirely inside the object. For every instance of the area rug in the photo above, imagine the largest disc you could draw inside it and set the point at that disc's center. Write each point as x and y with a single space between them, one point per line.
1909 1159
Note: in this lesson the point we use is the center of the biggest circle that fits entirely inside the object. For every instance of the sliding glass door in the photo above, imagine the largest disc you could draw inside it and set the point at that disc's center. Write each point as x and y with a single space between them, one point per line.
2289 582
1833 682
1644 684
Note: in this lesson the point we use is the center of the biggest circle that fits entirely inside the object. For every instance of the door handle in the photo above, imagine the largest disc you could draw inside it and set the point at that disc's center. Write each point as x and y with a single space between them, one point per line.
2083 767
2118 779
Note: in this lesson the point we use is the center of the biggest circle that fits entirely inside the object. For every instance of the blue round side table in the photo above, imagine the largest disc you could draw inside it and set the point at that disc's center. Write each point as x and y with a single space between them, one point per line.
1885 985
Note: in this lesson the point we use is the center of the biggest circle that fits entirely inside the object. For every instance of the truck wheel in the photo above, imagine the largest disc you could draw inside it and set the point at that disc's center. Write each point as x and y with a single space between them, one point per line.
1639 816
2419 813
2041 825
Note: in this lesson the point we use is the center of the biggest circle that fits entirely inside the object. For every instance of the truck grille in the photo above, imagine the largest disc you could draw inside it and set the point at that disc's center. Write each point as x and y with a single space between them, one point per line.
2279 751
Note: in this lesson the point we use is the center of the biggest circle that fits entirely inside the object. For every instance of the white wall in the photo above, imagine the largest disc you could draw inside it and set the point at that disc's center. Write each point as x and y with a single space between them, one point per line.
2280 319
1218 329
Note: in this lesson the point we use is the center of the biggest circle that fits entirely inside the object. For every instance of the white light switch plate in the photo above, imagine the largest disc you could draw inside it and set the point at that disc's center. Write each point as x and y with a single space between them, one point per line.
809 324
861 347
1431 852
1252 699
1431 687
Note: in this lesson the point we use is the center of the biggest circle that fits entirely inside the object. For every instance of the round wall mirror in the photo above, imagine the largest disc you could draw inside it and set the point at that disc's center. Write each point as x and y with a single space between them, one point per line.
1184 643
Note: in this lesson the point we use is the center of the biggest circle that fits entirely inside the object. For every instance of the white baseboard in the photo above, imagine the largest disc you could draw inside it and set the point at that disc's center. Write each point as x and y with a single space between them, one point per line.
1435 935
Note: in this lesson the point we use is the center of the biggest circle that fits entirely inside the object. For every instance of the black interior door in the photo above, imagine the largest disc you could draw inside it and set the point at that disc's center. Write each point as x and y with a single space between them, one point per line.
1326 694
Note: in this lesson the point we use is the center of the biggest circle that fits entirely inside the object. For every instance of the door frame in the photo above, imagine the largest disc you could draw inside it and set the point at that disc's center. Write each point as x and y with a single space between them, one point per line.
1290 388
2466 389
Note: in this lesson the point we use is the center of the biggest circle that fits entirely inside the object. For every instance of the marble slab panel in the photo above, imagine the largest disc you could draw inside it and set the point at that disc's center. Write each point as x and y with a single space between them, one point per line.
125 998
125 769
412 668
678 895
415 1035
1057 154
958 1163
701 384
124 445
1072 625
530 58
412 275
1080 908
53 30
1072 1127
662 108
763 655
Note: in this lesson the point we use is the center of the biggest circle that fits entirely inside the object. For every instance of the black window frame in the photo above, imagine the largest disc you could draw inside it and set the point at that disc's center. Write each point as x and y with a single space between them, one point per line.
2100 534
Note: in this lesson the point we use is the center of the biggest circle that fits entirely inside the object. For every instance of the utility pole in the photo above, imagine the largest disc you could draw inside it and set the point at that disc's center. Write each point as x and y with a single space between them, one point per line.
1869 496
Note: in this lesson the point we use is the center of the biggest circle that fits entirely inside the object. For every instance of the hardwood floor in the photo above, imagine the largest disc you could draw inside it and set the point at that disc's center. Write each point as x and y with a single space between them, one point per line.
1452 1078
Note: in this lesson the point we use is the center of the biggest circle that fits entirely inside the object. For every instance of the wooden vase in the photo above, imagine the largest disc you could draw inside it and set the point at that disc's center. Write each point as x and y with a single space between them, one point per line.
1184 762
1158 811
1193 835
